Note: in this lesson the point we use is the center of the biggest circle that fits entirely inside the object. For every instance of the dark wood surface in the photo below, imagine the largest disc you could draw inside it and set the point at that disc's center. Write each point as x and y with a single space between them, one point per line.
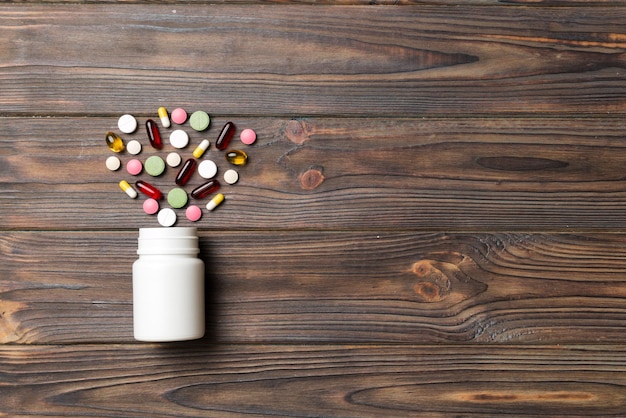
432 222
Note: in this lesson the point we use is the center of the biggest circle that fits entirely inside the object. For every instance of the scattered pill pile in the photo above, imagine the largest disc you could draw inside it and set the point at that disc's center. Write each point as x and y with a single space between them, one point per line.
155 166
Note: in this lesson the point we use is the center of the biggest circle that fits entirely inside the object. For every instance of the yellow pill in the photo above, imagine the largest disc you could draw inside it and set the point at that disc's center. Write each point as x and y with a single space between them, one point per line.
165 119
199 151
127 188
114 142
213 203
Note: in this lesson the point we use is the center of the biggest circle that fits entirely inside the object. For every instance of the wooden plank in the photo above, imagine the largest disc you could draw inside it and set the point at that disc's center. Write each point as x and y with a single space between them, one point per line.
366 381
308 287
399 61
518 174
542 3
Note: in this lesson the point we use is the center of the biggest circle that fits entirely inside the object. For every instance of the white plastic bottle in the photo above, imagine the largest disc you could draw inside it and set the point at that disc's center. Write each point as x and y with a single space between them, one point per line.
168 286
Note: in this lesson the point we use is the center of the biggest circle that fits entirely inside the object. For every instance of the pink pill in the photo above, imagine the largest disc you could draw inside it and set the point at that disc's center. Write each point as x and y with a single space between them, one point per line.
247 136
193 213
150 206
134 167
178 116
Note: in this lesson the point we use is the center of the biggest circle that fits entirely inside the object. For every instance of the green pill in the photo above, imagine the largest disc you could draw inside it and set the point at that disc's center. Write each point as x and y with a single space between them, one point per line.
154 165
177 198
199 120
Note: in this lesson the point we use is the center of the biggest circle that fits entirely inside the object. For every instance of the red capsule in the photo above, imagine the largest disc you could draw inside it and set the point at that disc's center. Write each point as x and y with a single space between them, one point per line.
186 172
225 136
153 134
149 190
206 189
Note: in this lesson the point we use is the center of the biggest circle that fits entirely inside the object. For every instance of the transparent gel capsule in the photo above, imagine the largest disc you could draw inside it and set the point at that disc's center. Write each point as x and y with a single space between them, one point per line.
237 157
206 189
154 136
114 142
149 190
225 136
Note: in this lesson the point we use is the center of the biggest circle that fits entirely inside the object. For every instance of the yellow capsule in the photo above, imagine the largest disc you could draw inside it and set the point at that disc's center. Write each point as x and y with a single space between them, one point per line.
127 188
165 119
114 142
213 203
237 157
199 151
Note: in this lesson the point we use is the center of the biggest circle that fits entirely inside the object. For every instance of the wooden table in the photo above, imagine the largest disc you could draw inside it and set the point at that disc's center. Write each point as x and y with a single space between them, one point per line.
433 219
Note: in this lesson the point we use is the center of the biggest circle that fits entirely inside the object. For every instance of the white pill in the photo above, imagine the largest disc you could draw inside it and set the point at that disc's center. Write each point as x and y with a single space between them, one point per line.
231 176
166 217
127 124
207 169
179 139
133 147
113 163
173 159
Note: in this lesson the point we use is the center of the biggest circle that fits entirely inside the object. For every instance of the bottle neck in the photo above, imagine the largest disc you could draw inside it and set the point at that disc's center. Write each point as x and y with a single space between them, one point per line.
176 241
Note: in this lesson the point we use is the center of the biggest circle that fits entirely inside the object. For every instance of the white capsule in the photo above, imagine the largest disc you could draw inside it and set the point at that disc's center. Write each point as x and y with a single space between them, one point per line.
128 189
199 151
165 119
213 203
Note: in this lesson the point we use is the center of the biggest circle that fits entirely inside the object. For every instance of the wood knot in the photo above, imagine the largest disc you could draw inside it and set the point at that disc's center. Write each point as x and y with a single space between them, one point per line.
434 286
297 131
312 178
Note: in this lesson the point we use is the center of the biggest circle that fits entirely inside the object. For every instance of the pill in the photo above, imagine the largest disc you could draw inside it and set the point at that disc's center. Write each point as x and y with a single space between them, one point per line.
213 203
134 167
113 163
155 166
205 189
150 206
173 159
127 124
179 139
193 213
199 120
128 189
133 147
154 135
247 136
149 190
177 198
185 172
225 136
200 149
166 217
231 176
114 142
165 119
178 116
237 157
207 169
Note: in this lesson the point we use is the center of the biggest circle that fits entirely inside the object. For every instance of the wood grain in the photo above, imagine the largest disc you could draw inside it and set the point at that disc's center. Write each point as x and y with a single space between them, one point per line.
523 174
331 287
204 380
432 222
399 61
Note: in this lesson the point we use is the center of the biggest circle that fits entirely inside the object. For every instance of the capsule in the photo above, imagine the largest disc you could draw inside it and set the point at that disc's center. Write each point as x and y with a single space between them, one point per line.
199 151
165 119
114 142
237 157
217 199
206 189
149 190
127 188
225 136
153 134
186 171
